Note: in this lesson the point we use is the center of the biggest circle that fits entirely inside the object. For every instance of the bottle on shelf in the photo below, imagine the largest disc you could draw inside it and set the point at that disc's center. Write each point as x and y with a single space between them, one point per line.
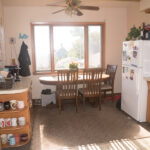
142 32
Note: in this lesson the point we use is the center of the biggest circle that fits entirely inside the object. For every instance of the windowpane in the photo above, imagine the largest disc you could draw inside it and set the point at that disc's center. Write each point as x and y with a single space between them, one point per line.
68 46
42 47
94 46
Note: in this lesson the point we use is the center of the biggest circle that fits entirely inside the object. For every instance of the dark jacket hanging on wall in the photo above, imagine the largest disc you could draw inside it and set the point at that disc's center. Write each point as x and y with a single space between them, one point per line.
24 60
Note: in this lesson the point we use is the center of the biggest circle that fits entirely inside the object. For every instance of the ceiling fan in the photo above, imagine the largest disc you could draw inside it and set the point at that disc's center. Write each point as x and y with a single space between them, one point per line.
73 7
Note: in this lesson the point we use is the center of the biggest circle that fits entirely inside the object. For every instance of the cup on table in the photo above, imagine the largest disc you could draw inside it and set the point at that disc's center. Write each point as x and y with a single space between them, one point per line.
22 121
20 104
1 106
8 137
2 122
8 122
14 122
4 138
13 104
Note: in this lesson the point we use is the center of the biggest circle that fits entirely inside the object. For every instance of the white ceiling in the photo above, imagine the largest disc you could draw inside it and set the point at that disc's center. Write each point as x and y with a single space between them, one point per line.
44 2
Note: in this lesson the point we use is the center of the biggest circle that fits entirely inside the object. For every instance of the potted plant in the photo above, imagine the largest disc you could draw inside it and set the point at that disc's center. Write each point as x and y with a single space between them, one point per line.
73 65
133 34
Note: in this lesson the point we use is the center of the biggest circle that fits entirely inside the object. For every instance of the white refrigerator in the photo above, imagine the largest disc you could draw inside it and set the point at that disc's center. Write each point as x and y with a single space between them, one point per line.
135 66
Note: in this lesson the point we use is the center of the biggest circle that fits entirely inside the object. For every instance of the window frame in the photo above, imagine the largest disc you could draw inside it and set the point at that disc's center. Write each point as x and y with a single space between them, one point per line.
85 24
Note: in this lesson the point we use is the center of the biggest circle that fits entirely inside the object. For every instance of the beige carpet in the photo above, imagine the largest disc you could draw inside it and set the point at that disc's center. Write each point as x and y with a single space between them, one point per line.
108 129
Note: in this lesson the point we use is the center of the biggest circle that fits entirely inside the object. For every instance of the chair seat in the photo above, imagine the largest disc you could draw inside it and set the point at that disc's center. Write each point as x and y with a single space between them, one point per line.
106 87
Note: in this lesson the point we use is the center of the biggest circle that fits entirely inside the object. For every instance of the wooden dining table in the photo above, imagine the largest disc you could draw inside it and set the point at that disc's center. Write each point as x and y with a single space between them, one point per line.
53 80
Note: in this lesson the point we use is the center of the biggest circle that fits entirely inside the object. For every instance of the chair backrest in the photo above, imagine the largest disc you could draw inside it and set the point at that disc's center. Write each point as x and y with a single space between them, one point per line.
111 70
92 81
67 82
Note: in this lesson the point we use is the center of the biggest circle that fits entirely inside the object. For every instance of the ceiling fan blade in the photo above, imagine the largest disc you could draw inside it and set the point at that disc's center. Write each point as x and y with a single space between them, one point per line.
55 12
79 13
89 7
55 5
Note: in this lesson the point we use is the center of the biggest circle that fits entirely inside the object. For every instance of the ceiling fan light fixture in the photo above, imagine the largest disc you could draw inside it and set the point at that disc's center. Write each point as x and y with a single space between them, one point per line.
71 11
73 3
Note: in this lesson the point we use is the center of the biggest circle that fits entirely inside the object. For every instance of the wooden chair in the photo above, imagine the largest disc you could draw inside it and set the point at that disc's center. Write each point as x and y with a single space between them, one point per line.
91 85
109 84
67 87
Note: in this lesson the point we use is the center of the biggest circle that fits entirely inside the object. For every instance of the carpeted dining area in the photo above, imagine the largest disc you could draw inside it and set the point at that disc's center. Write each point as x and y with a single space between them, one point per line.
108 129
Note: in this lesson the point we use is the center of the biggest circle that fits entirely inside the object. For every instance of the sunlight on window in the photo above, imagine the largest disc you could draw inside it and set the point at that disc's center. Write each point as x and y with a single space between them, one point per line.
94 46
68 46
42 47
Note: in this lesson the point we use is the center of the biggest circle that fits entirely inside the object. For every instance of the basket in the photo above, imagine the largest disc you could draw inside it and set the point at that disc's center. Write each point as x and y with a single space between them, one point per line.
6 83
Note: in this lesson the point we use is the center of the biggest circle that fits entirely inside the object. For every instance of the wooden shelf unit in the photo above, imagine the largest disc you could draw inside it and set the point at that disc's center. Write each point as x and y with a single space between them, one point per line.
25 112
17 145
14 111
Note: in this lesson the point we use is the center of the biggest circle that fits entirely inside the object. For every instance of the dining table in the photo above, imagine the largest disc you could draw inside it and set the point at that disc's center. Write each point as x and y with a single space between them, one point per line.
53 80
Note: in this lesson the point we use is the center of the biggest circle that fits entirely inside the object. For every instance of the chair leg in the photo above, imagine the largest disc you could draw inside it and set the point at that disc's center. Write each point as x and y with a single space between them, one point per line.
76 103
59 100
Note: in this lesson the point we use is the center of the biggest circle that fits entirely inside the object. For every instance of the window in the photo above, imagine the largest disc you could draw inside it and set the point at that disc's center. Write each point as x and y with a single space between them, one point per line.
94 46
57 45
42 48
68 48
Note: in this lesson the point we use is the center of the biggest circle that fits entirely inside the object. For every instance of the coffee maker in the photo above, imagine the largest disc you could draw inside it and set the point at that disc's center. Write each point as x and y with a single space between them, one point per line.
13 71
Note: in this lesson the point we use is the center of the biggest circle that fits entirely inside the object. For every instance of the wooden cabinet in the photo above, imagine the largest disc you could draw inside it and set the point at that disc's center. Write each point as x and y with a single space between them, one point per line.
25 112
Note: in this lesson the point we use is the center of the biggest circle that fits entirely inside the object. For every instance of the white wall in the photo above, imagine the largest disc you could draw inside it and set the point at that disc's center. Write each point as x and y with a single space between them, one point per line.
2 58
136 17
18 19
0 7
144 4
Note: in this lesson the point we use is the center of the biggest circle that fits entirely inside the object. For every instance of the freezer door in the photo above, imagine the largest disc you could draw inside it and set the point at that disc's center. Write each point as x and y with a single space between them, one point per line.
136 54
132 54
130 91
125 53
139 53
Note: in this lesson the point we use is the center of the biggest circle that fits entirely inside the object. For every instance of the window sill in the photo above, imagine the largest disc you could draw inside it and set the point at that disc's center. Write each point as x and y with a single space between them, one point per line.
51 73
45 73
